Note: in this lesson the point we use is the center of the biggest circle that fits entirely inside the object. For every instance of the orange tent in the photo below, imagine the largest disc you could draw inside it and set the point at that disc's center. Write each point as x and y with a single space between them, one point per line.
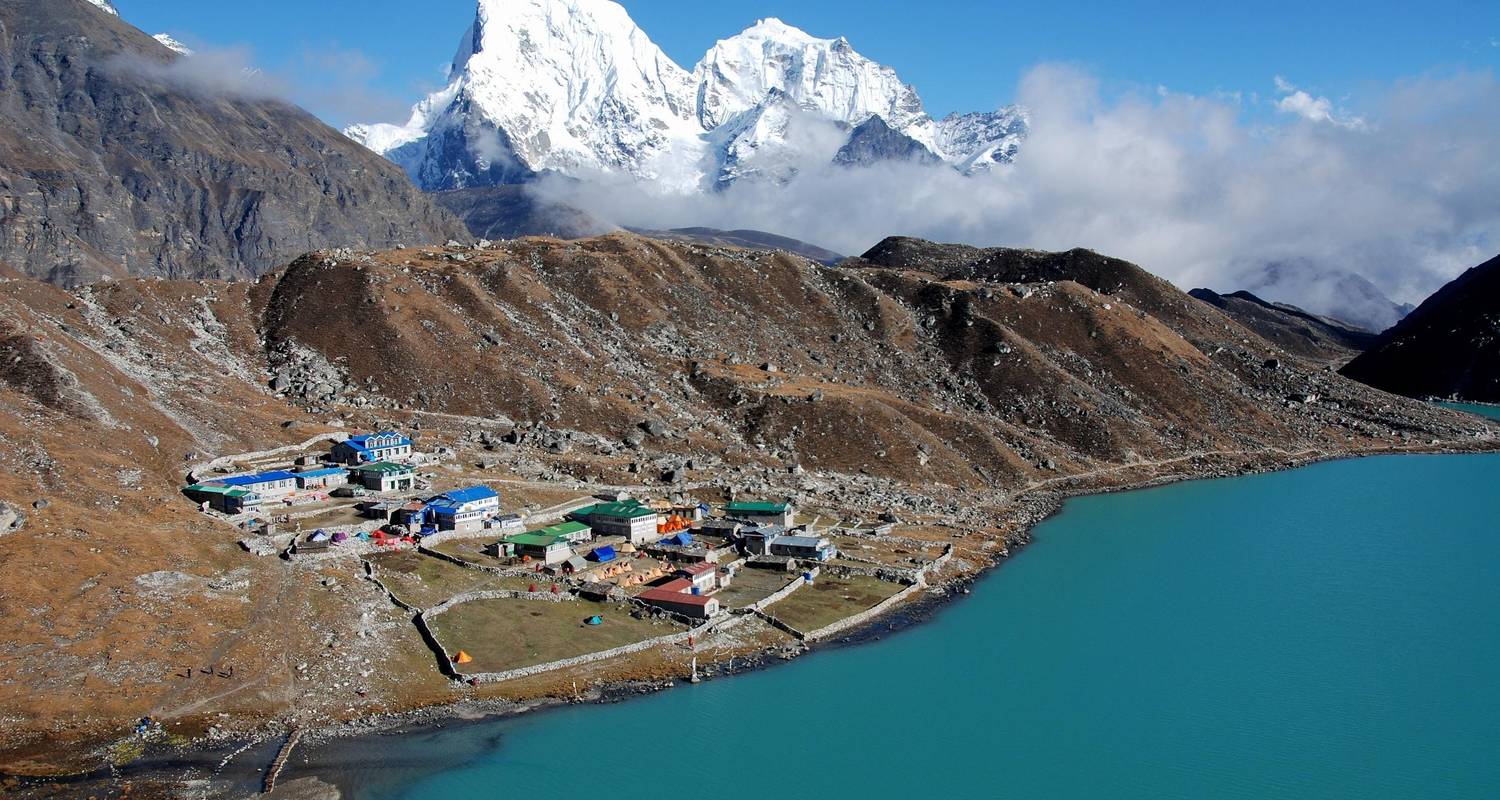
462 658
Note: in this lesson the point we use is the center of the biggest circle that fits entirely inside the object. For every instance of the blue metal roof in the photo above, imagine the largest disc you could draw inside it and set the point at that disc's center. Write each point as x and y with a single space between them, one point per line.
263 477
321 473
468 495
359 440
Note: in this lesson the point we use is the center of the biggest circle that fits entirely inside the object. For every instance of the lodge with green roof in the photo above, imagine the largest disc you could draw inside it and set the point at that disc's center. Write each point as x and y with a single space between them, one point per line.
386 476
637 523
761 512
228 499
544 544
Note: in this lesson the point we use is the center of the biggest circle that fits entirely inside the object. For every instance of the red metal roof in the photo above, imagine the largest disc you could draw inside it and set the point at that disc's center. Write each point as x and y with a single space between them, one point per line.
666 594
699 568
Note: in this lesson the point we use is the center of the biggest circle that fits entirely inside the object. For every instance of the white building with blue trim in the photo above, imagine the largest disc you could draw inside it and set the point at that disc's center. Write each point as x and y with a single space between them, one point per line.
368 448
463 509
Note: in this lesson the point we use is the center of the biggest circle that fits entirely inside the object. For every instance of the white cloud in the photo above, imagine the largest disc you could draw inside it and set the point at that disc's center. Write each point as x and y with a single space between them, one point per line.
1178 183
1313 109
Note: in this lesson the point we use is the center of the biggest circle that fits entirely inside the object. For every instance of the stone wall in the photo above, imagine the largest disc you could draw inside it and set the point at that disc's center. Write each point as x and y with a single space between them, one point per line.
783 592
196 472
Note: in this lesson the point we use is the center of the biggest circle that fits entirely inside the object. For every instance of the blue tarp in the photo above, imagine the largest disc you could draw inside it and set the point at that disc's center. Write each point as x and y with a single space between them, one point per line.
603 554
682 539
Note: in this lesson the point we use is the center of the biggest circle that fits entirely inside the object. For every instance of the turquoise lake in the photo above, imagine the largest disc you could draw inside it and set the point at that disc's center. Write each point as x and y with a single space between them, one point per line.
1326 632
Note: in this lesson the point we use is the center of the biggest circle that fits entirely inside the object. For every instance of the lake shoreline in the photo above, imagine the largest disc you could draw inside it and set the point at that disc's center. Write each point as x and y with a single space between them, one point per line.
180 767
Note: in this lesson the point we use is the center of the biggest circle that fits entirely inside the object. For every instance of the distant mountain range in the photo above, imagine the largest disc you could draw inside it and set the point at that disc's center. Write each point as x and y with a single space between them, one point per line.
1340 294
1448 347
575 87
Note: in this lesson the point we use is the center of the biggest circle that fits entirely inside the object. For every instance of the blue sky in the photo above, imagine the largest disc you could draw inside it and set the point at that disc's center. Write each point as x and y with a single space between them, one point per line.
375 57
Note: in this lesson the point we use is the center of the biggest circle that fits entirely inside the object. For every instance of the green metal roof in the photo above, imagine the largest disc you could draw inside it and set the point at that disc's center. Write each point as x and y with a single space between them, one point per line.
207 488
560 529
756 508
627 510
535 539
384 467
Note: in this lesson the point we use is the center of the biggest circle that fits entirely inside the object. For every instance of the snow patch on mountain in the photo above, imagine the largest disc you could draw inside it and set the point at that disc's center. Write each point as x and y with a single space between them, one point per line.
172 44
104 5
976 142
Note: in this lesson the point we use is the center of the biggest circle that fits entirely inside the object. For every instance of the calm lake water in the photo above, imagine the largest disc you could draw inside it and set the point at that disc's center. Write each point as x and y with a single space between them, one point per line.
1491 411
1328 632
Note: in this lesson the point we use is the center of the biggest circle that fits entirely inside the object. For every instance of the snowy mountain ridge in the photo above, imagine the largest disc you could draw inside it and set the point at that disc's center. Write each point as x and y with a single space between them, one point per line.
575 87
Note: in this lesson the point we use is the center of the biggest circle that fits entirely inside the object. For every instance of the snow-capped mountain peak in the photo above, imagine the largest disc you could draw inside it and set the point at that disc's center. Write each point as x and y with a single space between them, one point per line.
538 85
104 5
826 75
576 87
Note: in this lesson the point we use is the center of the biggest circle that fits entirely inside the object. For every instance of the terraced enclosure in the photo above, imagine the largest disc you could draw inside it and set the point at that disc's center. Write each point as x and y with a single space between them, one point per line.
506 634
829 600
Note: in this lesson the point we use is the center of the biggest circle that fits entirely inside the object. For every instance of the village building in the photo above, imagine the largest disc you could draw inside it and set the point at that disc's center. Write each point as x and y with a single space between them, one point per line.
463 510
722 528
323 478
679 597
369 448
811 548
384 476
269 485
574 533
761 513
226 499
757 538
508 523
601 592
704 576
539 546
637 523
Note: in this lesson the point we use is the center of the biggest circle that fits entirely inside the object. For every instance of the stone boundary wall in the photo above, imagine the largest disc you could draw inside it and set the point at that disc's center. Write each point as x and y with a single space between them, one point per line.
333 437
783 592
390 595
498 594
883 572
776 623
868 614
427 551
937 563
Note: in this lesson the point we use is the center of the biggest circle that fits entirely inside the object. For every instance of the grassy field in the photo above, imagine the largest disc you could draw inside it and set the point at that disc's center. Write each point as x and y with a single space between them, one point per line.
424 581
750 585
829 600
506 634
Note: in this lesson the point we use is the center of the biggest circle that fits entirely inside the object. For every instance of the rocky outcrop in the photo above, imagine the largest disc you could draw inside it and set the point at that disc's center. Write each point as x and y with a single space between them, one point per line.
873 141
1448 347
118 156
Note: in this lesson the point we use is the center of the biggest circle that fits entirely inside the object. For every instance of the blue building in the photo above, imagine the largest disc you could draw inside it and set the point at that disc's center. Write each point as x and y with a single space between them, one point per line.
367 448
463 509
322 478
277 483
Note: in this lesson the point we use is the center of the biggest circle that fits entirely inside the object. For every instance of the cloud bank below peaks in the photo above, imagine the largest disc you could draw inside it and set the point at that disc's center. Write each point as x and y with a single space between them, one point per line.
1199 189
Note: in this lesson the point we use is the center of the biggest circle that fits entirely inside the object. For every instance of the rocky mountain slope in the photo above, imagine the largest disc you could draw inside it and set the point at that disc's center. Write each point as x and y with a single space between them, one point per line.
932 382
576 87
1448 347
1291 328
118 157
